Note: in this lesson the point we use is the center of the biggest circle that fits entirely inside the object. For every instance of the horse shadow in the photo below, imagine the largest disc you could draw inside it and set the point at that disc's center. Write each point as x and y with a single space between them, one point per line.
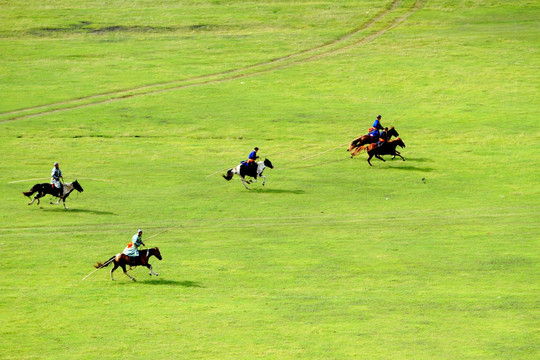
419 160
411 168
185 283
95 212
278 191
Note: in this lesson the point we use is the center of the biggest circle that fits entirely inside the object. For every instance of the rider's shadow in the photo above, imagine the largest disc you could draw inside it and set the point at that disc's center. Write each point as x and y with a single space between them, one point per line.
185 283
279 191
71 210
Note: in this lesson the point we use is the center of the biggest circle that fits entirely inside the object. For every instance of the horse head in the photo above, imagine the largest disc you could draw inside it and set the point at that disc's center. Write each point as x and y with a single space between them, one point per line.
77 186
392 132
400 142
156 253
268 163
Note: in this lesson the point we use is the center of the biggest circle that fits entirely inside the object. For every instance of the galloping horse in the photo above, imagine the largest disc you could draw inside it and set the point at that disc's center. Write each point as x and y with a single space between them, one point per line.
48 189
121 260
244 170
366 139
388 148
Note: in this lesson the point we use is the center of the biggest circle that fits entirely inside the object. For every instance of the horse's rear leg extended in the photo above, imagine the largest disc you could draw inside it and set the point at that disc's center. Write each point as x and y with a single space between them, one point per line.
112 270
244 183
125 272
38 195
368 160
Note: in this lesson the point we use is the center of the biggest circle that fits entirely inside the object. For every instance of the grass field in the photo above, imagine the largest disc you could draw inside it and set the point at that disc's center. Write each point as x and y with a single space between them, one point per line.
147 103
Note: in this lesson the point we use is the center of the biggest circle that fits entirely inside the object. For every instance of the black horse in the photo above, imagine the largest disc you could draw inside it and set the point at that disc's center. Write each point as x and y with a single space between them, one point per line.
49 189
388 148
121 260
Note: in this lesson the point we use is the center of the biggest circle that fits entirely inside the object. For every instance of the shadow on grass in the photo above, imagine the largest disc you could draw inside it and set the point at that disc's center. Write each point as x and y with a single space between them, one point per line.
60 208
410 168
185 283
278 191
418 159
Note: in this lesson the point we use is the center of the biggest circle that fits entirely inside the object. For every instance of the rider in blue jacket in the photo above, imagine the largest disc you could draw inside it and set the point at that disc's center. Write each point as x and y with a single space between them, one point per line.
377 124
252 157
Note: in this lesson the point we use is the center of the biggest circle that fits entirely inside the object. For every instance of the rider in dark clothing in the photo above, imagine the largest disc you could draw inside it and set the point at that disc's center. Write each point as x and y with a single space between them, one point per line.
383 137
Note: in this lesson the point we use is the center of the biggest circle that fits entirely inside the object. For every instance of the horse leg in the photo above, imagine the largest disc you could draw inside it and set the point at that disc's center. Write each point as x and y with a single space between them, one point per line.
64 203
244 182
38 195
264 179
112 270
125 272
369 158
400 157
379 157
151 271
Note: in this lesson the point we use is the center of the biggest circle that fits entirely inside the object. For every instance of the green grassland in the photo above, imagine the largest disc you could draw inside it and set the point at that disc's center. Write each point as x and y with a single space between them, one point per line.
146 103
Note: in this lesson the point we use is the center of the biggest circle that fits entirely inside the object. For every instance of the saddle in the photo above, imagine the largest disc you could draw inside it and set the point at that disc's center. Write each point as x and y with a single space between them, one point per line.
249 168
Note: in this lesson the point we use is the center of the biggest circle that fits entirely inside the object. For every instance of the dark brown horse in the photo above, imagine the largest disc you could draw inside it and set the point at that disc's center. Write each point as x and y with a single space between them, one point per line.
121 260
366 139
388 148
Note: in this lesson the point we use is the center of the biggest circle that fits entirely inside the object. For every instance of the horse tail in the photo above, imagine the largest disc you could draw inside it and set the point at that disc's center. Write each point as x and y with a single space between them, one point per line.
229 175
29 193
100 265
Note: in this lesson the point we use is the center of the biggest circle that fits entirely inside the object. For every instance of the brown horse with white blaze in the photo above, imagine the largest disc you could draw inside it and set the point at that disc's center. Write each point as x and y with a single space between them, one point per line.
121 260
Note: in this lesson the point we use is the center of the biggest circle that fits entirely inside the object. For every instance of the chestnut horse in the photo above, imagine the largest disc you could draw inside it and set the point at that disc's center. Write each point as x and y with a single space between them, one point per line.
388 148
121 260
366 139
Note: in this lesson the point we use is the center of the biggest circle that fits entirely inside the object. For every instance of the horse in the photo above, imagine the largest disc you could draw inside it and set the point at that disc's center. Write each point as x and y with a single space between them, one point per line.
244 170
366 139
48 189
388 148
121 260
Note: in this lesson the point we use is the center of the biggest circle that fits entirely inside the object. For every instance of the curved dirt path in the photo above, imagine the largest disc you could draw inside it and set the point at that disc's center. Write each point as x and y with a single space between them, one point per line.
340 44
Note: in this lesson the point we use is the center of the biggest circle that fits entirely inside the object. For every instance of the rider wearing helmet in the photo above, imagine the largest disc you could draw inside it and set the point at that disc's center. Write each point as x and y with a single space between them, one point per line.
131 249
56 175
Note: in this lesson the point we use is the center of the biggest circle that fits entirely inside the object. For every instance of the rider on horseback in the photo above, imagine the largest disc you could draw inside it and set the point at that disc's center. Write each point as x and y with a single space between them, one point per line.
383 137
131 249
252 157
56 175
374 130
